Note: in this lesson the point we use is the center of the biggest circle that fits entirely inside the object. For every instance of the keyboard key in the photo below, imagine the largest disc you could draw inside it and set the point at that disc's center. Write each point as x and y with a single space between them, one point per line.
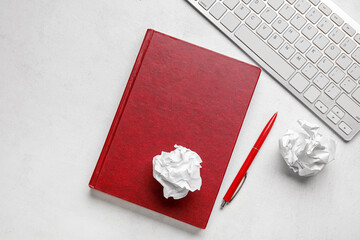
336 19
275 4
332 51
302 44
357 38
309 31
275 41
298 21
336 35
345 128
325 64
325 9
348 45
313 55
338 112
253 21
315 2
332 91
321 106
206 4
268 15
299 82
230 21
312 94
287 11
217 11
309 70
291 35
302 6
231 4
264 31
313 15
349 106
242 11
246 1
257 5
348 85
356 95
354 71
280 24
261 49
356 55
336 74
321 41
348 29
321 81
343 61
335 119
298 61
286 51
325 25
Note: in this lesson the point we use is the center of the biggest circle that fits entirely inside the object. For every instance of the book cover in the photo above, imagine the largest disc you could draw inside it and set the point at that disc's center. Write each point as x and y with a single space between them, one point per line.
177 93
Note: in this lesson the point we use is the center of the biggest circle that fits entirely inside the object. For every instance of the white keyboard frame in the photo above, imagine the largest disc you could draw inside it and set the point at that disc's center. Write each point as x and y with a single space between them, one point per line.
275 75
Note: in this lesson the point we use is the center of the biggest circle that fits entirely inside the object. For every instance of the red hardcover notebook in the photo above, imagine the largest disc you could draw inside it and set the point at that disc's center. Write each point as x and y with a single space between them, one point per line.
177 93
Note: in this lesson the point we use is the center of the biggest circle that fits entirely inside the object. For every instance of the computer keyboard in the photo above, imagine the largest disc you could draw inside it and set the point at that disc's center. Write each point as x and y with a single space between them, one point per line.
310 47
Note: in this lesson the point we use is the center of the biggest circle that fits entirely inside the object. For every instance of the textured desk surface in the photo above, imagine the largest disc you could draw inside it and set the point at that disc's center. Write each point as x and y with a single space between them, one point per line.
63 67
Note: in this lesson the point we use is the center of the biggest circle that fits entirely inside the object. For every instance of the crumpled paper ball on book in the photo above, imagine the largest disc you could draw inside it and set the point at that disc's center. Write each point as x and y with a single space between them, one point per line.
178 172
307 152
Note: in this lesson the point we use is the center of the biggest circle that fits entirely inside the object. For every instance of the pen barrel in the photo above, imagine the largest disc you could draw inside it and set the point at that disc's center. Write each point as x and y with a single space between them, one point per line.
240 175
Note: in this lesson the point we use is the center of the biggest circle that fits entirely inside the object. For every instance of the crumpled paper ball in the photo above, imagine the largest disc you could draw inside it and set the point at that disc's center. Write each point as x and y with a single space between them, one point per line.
308 152
178 172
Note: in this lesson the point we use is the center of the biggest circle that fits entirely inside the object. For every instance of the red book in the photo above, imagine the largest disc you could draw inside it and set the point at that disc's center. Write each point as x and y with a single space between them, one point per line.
177 93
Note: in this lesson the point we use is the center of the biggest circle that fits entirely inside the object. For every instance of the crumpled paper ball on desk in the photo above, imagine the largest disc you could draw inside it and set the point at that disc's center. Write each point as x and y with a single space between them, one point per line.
308 152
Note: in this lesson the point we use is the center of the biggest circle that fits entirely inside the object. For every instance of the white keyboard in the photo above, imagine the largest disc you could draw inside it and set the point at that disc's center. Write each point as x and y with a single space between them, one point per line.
310 47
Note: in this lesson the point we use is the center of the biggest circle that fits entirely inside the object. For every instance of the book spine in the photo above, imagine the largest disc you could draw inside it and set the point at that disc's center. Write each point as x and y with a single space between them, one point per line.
120 110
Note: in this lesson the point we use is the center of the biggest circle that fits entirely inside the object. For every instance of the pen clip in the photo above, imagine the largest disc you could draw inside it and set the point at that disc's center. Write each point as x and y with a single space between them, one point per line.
241 184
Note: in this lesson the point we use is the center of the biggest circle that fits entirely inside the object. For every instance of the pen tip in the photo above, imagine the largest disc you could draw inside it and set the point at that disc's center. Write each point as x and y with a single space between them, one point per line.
223 204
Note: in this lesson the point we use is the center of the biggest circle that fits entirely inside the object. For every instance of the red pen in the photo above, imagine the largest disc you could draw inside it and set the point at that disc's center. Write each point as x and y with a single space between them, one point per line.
230 194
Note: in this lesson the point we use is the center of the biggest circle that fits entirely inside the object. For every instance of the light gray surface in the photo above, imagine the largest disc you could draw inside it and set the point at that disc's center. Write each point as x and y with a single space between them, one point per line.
63 68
